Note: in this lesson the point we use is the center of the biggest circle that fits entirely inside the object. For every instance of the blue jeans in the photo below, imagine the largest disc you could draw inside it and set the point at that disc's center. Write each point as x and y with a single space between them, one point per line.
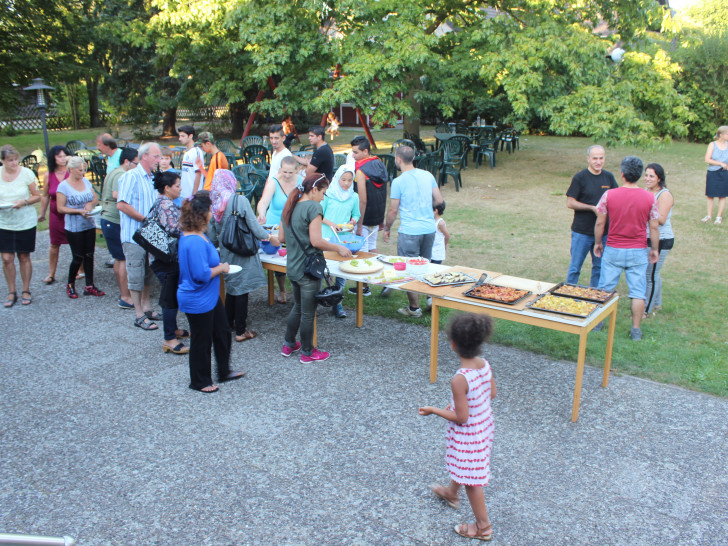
633 261
653 294
581 245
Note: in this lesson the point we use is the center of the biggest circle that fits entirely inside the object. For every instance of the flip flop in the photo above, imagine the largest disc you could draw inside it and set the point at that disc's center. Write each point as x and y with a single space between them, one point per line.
214 389
434 487
50 279
485 535
231 376
245 336
144 324
152 315
24 300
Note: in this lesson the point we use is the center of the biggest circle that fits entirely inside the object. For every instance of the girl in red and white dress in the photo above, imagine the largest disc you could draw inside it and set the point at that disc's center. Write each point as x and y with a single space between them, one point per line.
470 433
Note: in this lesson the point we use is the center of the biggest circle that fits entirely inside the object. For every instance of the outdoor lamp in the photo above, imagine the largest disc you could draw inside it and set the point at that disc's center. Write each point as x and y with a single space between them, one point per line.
40 87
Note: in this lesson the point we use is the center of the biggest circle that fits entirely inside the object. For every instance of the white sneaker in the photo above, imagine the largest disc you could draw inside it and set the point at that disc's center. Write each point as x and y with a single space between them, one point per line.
406 311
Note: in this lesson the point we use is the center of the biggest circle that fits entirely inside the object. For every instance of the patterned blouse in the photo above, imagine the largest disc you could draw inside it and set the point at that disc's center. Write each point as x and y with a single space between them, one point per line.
168 214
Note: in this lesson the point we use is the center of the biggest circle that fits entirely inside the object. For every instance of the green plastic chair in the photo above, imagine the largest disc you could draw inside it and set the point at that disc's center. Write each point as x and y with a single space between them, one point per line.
74 146
402 142
226 146
452 159
389 163
339 160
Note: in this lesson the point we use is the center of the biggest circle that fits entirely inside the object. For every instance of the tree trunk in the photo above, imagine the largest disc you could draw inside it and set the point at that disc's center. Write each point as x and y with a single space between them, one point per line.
169 122
237 116
412 123
92 90
72 96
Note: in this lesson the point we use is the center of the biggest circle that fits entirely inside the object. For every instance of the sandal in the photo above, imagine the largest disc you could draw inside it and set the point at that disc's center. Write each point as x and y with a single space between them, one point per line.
452 504
185 334
145 324
50 279
24 300
481 534
718 220
706 219
12 300
152 315
179 349
210 389
246 335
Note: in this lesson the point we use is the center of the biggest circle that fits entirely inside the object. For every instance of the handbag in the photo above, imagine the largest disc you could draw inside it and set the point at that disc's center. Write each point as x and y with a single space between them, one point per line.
314 265
236 235
152 237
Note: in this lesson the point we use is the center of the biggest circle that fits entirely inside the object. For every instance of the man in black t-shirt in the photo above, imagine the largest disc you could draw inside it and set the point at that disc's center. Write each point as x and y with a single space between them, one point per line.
322 160
586 188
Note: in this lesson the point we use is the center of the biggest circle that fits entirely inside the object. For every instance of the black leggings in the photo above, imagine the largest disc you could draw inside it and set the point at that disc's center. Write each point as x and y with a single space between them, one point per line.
209 331
82 245
236 308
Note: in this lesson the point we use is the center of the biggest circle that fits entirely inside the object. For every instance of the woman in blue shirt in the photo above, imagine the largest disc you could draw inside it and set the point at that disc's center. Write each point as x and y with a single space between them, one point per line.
198 296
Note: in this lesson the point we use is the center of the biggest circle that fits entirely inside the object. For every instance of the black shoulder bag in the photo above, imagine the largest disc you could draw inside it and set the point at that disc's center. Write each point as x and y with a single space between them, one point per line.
236 235
315 264
152 237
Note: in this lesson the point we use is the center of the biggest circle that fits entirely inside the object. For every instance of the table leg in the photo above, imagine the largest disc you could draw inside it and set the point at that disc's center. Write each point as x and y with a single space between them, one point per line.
434 337
579 376
271 288
359 305
222 289
610 344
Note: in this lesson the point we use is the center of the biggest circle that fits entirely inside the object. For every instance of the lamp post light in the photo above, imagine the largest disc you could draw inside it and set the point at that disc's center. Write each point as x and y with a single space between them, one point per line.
40 87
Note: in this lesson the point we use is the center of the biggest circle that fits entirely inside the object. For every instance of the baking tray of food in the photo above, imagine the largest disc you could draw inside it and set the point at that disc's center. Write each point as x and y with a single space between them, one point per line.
448 278
497 294
562 305
580 292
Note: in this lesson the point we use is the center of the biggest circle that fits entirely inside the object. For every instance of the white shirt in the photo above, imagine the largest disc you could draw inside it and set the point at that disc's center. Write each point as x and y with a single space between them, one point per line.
275 161
189 168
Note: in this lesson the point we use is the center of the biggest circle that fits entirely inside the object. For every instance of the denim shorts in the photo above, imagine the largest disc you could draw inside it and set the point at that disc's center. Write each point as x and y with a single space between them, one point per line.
415 246
633 261
112 234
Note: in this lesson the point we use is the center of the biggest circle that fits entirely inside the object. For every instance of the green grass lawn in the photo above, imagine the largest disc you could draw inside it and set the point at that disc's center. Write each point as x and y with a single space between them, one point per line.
514 219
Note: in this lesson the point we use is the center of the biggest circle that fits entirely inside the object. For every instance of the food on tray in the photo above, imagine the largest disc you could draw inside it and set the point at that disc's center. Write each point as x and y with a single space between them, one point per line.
392 259
497 293
417 261
360 266
451 277
582 292
389 276
564 305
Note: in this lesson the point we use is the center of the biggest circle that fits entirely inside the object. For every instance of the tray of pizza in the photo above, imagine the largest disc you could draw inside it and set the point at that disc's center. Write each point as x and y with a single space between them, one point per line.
496 293
580 292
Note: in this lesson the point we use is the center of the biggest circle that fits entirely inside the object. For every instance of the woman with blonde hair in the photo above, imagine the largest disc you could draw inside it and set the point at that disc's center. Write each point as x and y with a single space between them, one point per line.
716 181
18 221
76 199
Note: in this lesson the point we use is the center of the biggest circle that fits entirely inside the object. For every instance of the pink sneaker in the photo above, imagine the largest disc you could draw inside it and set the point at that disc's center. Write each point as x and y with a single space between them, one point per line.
288 351
316 356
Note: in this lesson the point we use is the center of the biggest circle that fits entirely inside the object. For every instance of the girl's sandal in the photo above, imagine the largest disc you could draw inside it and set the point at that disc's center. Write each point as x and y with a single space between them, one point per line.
12 300
24 300
484 534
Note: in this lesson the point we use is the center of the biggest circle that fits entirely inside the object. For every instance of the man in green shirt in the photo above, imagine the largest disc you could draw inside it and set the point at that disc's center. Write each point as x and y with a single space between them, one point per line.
110 222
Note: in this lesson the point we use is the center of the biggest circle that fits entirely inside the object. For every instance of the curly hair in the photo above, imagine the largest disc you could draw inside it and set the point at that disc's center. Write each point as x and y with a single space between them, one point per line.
468 332
194 212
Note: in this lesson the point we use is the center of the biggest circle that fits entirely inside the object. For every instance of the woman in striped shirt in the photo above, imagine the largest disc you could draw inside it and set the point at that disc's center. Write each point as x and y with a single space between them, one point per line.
470 434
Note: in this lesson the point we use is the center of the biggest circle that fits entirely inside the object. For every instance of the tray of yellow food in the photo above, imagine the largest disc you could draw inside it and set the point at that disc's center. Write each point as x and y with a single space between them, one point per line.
581 292
563 306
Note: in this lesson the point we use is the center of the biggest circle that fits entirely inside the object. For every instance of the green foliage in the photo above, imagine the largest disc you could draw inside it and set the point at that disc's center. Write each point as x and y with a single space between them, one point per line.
711 15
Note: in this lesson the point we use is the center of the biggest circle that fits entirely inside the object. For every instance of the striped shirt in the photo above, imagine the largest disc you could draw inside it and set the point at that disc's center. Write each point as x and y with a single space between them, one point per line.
136 189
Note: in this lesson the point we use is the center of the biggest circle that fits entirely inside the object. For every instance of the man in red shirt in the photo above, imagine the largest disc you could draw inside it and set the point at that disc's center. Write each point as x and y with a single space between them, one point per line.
629 208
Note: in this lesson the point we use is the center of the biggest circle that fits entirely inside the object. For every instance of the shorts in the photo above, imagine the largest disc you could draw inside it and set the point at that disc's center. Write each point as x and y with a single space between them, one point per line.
633 261
21 242
138 272
415 246
112 234
371 243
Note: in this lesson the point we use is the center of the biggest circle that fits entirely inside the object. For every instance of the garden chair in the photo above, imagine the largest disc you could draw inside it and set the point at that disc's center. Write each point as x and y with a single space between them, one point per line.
306 148
98 169
402 142
388 160
253 150
420 145
452 160
339 160
252 139
177 156
506 139
465 142
260 165
301 153
206 160
231 159
443 128
226 146
31 162
75 145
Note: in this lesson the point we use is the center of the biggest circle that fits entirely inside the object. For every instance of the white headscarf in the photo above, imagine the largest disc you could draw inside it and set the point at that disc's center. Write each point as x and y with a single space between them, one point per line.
335 190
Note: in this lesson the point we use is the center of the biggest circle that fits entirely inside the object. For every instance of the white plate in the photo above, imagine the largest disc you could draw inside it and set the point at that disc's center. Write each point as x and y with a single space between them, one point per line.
96 210
234 269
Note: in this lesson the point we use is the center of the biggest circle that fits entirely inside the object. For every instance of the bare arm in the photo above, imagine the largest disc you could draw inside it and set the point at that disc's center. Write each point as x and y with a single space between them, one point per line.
578 205
461 412
130 211
391 216
44 200
442 226
436 197
361 190
664 205
314 234
310 169
268 192
654 241
710 161
599 234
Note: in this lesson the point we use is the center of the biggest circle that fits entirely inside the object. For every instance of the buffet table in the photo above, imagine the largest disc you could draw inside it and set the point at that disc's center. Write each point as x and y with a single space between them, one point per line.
452 297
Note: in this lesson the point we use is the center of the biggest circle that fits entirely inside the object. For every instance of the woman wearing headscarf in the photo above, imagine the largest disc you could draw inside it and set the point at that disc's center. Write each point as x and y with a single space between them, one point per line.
237 285
340 206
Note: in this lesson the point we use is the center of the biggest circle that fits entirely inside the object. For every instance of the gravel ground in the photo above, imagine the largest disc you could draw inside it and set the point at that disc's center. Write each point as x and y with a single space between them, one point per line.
103 441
